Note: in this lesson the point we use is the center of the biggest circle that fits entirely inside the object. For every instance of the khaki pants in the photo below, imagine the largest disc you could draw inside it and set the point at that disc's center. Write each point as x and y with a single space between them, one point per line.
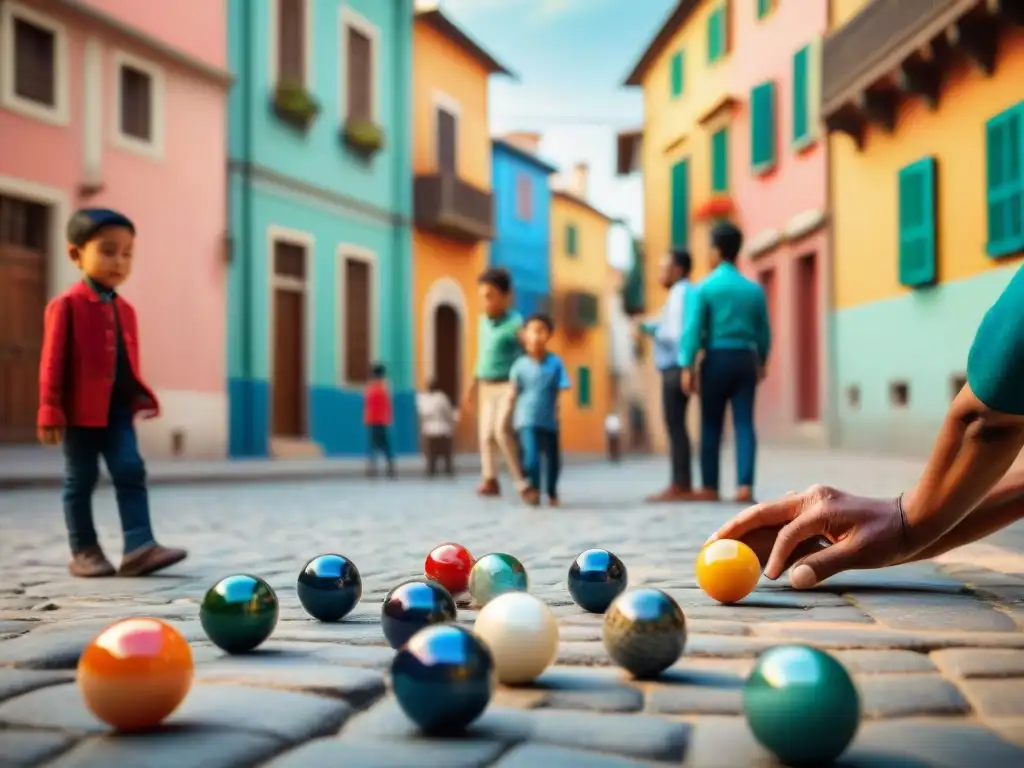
495 425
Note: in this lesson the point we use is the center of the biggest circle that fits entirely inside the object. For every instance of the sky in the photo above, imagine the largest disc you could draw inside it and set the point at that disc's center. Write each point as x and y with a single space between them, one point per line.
571 57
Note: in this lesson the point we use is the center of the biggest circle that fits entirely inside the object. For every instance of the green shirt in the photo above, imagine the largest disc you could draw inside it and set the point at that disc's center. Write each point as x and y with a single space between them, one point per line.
726 311
498 346
995 365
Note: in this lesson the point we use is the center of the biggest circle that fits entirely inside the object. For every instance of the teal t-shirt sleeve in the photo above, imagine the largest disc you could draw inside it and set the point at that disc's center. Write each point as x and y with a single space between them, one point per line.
995 365
563 377
694 315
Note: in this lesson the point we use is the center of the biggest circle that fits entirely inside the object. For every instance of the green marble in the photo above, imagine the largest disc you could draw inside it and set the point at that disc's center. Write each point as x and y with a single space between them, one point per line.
239 612
802 705
495 574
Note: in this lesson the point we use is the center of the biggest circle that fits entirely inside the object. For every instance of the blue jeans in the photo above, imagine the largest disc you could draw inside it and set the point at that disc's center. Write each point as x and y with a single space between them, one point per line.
541 445
118 446
728 377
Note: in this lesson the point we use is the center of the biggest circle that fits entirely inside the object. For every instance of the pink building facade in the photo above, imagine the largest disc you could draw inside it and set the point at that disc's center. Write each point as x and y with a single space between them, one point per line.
778 186
121 104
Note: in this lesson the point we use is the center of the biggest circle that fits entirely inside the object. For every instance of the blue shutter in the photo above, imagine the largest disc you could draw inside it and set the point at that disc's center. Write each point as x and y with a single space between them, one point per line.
680 198
917 253
1004 156
762 131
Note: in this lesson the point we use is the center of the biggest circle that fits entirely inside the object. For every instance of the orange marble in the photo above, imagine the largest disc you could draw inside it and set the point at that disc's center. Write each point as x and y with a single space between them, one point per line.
135 673
727 570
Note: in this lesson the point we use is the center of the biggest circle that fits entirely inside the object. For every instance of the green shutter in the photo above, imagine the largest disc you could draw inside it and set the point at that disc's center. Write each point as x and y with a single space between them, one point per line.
720 160
678 74
762 129
681 204
764 7
801 95
716 29
571 244
917 257
583 387
1004 155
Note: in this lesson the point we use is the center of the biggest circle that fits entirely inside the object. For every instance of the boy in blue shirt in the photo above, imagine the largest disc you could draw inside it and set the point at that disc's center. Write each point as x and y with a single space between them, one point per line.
537 379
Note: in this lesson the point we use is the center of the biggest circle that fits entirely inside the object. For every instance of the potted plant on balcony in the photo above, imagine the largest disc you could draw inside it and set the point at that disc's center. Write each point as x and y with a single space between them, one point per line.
715 208
364 137
295 105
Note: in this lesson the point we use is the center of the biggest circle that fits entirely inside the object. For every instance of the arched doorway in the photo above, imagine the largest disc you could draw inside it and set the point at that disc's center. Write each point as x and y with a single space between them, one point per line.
447 351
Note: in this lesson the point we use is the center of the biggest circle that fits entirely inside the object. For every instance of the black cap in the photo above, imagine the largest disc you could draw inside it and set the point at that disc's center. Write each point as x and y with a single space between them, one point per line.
86 222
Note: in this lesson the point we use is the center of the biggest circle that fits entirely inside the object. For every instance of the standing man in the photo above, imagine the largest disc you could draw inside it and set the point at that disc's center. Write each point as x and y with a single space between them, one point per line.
727 316
667 333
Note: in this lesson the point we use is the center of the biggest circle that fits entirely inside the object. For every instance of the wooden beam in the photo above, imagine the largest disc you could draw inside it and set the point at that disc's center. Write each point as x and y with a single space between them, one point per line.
849 122
879 108
977 39
921 78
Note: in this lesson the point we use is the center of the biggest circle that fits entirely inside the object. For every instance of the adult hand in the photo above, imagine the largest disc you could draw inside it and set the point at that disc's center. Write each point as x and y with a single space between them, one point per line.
50 435
762 372
686 381
863 533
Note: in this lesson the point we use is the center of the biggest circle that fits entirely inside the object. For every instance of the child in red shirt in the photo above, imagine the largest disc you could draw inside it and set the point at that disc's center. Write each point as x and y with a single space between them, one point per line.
377 416
90 389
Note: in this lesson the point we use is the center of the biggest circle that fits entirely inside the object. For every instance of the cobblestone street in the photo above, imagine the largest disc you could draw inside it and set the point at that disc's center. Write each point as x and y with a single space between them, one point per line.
937 649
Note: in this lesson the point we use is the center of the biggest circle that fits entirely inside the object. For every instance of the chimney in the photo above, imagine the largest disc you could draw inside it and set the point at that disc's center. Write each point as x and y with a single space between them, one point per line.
527 141
578 182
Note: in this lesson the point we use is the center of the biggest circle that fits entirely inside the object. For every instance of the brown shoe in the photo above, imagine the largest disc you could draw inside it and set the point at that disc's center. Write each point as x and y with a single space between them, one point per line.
150 559
530 496
553 501
672 493
489 488
90 563
702 494
744 495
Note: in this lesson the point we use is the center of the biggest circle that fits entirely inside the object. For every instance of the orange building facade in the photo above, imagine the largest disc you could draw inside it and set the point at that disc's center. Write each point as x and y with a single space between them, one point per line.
452 201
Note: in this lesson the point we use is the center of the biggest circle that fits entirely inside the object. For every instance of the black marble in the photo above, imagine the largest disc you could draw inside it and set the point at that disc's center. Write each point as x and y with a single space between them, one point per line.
329 587
413 605
596 578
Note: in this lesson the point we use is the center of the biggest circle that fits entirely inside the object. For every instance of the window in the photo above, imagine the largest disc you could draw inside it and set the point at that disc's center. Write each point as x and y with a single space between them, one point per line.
359 61
762 128
802 97
899 394
447 141
718 32
1004 155
720 160
33 50
678 74
291 41
357 307
917 224
139 107
853 397
571 240
524 197
583 387
765 7
680 197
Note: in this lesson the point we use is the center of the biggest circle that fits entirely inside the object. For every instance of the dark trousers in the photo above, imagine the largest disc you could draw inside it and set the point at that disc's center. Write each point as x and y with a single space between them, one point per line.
119 447
380 445
728 377
439 448
673 407
541 445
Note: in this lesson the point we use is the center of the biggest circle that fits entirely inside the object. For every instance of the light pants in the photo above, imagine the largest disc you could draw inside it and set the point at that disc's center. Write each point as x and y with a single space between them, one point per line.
495 425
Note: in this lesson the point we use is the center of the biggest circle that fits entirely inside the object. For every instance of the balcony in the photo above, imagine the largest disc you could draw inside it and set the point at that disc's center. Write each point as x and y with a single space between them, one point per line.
580 311
897 49
448 206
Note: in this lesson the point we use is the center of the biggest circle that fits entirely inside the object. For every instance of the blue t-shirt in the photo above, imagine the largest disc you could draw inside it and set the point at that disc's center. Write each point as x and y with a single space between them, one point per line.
537 384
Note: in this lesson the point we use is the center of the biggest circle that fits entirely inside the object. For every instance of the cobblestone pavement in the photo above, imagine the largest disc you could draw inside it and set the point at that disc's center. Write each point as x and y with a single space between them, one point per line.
937 649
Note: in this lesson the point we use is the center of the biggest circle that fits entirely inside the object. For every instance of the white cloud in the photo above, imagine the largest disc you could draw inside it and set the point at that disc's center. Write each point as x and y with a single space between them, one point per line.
537 11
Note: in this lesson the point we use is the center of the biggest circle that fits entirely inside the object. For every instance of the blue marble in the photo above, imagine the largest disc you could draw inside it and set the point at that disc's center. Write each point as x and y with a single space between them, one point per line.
644 632
412 606
495 574
596 578
329 586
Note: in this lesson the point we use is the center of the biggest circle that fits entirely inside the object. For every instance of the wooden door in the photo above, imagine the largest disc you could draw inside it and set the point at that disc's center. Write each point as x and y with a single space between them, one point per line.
289 384
23 272
447 351
447 142
358 323
808 406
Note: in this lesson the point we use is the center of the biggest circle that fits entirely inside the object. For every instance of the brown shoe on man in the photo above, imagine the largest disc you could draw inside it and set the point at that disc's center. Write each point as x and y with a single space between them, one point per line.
702 494
488 488
744 495
150 559
672 493
530 496
90 563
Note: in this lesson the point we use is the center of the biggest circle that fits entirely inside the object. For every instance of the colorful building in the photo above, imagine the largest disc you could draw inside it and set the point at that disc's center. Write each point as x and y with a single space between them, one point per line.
320 192
522 207
926 122
579 284
731 131
118 104
452 201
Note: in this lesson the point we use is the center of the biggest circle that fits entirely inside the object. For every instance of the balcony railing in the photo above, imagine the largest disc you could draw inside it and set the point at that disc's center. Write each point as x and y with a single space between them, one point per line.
449 206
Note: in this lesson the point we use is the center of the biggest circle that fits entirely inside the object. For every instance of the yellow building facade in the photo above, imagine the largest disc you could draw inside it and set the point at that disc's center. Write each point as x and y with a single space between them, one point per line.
579 285
926 122
452 201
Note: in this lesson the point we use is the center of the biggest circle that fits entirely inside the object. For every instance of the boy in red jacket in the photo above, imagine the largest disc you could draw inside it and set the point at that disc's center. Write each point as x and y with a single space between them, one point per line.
377 417
90 389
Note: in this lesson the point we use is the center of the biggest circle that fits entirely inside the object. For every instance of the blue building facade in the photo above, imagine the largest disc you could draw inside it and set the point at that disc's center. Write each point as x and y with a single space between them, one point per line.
522 211
320 198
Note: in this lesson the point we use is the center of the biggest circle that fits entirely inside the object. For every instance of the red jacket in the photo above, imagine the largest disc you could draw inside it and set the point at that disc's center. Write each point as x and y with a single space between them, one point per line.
377 412
80 397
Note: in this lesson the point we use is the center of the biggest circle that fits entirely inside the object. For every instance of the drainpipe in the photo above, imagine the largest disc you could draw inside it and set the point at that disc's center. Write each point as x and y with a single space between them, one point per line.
245 235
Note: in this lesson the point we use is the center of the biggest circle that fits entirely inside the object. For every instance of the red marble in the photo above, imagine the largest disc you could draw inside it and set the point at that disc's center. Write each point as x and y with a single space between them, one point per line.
449 565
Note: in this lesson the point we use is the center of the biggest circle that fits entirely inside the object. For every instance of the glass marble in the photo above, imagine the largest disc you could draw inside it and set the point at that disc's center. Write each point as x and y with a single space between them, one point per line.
449 565
239 613
495 574
596 578
329 587
413 605
644 632
727 570
802 705
135 673
443 678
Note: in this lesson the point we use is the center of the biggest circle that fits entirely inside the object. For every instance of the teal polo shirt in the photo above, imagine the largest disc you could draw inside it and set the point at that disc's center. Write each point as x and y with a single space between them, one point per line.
995 365
498 346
